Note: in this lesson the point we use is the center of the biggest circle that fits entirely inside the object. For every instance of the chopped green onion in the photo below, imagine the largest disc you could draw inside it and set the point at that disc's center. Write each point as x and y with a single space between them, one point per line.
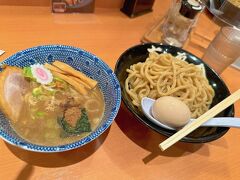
40 114
37 91
27 72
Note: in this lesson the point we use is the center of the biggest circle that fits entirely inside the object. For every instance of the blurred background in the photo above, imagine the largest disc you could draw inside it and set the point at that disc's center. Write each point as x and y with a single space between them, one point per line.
98 3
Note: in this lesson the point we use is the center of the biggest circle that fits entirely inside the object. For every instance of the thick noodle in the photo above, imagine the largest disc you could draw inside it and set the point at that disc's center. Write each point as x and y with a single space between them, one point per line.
165 75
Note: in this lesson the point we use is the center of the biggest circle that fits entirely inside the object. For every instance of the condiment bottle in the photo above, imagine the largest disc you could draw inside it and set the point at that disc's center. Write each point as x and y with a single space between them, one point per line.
179 22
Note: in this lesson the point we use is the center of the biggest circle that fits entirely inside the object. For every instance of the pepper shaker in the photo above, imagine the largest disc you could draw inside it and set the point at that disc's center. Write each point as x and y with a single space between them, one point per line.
179 22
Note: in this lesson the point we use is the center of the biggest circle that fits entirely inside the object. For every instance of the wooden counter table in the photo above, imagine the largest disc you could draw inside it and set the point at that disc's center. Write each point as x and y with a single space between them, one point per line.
128 149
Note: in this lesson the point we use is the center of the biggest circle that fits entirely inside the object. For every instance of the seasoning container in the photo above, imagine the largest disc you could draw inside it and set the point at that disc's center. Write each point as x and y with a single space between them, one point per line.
179 22
133 8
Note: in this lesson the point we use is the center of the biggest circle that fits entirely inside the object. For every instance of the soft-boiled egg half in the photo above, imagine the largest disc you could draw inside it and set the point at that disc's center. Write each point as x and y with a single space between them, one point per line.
171 111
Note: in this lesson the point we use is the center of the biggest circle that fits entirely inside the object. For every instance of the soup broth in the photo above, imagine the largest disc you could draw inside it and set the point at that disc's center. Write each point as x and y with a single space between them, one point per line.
38 121
50 104
56 109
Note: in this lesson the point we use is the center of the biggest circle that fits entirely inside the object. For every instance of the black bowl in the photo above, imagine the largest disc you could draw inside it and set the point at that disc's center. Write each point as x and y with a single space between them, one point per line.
139 53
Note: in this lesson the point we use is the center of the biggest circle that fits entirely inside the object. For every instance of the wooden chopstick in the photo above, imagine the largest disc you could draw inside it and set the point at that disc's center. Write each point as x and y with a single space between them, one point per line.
199 121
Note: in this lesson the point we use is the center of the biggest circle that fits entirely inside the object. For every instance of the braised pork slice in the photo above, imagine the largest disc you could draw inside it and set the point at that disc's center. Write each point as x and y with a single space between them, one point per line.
13 87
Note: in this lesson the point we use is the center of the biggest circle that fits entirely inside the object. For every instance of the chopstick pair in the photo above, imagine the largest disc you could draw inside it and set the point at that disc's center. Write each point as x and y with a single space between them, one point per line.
199 121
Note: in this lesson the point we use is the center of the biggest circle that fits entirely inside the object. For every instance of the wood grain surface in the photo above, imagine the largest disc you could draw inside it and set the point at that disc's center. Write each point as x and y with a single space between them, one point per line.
128 149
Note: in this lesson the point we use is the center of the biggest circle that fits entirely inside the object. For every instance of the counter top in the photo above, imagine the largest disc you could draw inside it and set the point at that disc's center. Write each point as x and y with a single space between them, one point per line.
128 149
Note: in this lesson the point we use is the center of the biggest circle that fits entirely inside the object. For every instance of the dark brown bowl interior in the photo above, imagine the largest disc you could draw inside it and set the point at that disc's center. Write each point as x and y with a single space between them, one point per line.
139 53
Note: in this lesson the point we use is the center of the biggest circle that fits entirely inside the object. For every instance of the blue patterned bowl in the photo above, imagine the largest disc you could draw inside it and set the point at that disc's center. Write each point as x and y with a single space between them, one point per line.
82 61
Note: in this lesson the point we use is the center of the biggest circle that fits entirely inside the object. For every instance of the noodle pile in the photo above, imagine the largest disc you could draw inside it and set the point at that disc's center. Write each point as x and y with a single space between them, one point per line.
165 75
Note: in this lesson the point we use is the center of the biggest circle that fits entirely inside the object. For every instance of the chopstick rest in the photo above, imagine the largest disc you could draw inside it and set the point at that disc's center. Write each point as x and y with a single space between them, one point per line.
199 121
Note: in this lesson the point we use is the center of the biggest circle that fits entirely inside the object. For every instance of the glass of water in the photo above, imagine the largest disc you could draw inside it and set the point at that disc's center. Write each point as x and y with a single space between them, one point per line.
224 49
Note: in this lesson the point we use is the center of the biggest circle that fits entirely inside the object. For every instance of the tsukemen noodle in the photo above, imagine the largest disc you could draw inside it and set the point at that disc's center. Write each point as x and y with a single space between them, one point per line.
165 75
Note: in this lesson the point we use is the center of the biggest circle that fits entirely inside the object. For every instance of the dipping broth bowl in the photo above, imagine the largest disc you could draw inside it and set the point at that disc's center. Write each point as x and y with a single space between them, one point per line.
82 61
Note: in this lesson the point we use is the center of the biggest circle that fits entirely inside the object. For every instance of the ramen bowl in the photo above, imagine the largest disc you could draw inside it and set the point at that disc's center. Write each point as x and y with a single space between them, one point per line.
82 61
139 53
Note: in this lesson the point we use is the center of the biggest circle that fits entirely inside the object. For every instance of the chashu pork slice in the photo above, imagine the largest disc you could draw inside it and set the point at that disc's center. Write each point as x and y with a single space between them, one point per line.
13 87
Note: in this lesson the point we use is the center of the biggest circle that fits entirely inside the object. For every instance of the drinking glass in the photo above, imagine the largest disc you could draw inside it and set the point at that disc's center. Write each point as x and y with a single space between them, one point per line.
224 49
